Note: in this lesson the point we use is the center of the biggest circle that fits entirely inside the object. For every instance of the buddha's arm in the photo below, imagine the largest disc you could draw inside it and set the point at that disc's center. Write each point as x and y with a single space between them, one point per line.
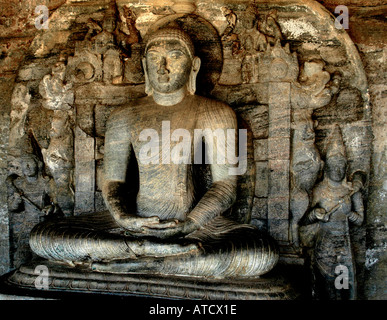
116 160
222 194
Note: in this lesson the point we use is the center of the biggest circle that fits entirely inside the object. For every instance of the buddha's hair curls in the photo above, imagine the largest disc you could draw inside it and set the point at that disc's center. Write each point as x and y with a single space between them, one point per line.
171 33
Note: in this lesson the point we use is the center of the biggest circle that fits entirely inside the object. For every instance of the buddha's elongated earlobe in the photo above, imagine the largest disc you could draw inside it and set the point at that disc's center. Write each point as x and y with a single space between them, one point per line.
148 87
191 85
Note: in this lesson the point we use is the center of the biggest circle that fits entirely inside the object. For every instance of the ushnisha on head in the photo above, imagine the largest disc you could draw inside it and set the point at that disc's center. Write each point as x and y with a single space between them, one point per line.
170 65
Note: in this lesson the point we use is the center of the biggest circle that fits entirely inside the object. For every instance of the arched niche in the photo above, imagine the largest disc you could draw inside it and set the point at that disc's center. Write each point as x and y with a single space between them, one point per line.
269 106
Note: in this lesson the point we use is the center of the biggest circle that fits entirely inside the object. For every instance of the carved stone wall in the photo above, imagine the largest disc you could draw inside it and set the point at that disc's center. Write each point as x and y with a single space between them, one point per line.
289 84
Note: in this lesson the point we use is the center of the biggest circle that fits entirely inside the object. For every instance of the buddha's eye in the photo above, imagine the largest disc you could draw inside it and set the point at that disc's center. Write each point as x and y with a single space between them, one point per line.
153 56
176 54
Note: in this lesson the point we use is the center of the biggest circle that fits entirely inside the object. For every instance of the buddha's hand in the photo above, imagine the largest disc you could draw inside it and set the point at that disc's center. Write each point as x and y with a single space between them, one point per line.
170 229
134 224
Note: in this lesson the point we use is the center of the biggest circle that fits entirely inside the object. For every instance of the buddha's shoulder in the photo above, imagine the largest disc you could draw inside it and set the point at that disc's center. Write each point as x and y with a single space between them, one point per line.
212 106
131 108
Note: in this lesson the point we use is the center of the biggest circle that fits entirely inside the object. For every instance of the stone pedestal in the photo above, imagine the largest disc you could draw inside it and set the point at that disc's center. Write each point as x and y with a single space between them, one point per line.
62 279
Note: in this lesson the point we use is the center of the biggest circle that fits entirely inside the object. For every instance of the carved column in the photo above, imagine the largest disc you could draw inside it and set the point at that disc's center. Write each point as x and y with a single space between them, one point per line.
84 172
279 160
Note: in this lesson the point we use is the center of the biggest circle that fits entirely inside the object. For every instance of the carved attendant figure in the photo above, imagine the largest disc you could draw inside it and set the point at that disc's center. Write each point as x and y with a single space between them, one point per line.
29 200
335 204
170 227
231 23
59 155
269 26
306 166
59 159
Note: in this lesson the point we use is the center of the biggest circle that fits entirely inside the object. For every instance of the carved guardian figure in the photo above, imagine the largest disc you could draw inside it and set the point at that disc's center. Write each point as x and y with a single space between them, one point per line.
336 204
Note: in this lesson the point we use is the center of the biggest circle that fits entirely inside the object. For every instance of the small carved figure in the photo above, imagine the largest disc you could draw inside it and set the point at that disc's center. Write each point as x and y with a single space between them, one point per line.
112 66
17 132
59 155
306 165
104 44
59 159
269 27
250 31
315 87
251 42
325 228
126 40
232 51
29 201
56 93
231 18
130 42
104 39
313 90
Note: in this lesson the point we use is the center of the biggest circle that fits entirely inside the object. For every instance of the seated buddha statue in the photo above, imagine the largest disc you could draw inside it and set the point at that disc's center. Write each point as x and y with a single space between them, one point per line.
163 223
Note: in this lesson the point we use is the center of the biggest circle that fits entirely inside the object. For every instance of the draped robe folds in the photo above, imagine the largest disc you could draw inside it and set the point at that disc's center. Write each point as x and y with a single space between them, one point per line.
166 189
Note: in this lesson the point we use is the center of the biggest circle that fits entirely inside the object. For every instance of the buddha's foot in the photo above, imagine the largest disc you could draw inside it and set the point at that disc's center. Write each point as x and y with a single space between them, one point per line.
126 265
151 256
146 248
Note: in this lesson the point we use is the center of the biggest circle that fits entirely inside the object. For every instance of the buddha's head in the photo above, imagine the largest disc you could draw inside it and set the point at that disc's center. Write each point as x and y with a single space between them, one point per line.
169 62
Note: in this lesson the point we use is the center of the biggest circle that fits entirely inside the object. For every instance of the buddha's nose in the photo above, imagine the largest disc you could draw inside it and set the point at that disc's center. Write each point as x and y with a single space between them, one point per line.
163 67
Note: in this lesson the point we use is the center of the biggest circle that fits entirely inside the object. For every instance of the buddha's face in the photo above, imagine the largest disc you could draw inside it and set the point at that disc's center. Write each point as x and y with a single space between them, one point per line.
336 168
168 65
